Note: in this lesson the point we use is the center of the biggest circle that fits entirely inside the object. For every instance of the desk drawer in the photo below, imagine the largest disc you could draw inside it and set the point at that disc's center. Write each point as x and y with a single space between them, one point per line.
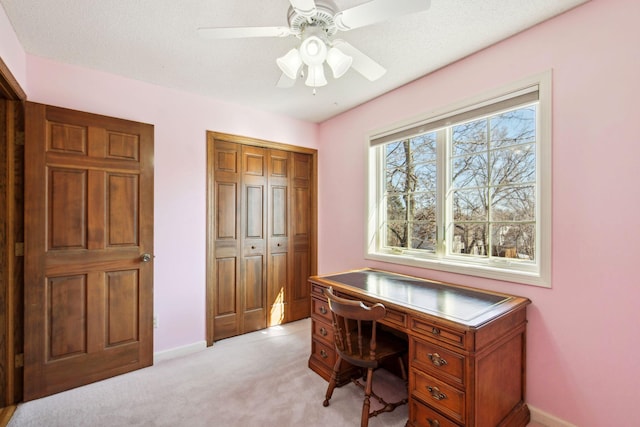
323 353
396 318
317 290
437 332
322 331
422 415
438 394
320 309
434 359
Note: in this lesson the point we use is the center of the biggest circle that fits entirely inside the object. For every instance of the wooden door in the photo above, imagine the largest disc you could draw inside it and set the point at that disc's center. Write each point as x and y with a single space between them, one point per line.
225 235
254 239
278 217
88 246
302 201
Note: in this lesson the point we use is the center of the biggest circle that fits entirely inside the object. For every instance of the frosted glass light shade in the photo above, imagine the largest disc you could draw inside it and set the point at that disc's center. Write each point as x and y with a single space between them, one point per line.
313 51
339 62
290 63
315 76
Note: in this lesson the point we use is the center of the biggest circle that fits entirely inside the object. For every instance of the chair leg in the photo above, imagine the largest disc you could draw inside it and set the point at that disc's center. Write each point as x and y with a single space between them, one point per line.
366 406
332 382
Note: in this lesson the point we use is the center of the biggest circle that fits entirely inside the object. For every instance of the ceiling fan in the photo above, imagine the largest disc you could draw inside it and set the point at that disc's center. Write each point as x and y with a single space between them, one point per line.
315 22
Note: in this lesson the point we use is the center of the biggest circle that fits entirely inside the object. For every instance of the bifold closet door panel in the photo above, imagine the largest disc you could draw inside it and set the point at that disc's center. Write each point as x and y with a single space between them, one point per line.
226 309
253 228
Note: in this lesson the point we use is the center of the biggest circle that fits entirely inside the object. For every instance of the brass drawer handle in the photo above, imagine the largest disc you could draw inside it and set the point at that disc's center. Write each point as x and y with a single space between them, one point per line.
323 354
323 309
435 331
436 393
323 332
433 423
437 360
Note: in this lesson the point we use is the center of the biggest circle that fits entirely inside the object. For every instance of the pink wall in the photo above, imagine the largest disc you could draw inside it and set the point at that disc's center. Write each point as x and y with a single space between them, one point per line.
583 344
181 121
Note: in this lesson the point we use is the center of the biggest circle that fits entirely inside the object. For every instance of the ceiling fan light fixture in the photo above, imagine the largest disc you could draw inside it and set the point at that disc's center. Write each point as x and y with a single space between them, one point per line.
315 76
338 61
290 63
313 51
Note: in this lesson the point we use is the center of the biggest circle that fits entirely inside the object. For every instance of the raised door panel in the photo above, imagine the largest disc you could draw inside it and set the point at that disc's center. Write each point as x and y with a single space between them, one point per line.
278 277
122 210
253 296
67 321
225 308
67 222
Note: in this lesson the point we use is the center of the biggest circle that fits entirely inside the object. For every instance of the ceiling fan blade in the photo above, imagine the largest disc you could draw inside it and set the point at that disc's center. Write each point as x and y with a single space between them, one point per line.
285 82
243 32
306 8
377 11
361 62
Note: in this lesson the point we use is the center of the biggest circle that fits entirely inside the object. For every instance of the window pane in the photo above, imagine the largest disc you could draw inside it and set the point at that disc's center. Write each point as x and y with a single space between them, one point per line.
513 203
469 138
513 240
397 181
397 234
423 148
513 165
395 155
470 238
425 177
423 235
470 205
469 171
424 207
513 127
397 207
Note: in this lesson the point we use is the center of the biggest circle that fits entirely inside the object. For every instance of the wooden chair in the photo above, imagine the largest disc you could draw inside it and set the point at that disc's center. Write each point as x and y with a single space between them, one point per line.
359 342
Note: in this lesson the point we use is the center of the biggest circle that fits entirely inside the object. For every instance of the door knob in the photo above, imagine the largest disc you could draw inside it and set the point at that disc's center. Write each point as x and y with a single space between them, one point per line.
145 257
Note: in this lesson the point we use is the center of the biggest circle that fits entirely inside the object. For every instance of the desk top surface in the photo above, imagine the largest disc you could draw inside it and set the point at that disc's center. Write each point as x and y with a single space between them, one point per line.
459 304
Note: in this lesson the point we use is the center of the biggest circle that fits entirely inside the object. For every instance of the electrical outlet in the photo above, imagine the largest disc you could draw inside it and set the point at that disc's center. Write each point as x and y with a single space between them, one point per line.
155 321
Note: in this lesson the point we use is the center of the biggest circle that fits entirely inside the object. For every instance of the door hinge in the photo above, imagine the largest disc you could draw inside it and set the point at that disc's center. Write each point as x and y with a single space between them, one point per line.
19 362
19 138
19 249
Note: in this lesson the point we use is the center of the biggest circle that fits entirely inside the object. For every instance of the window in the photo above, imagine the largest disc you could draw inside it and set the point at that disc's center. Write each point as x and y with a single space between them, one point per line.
468 189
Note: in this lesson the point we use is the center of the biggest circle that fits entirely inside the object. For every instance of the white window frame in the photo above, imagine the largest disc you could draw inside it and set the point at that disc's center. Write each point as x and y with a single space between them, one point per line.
537 273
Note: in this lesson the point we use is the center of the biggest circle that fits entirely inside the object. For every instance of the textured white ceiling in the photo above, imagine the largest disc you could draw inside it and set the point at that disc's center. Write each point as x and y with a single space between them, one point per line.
156 41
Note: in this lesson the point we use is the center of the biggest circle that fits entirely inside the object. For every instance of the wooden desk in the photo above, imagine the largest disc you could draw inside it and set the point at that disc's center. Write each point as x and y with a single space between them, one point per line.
466 359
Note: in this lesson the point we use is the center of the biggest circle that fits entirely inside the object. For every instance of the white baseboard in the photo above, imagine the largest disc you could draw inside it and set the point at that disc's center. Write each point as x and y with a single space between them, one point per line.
179 351
546 419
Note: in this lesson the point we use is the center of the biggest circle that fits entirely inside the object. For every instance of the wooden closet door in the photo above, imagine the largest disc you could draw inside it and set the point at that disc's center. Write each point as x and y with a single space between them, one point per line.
260 234
301 199
88 247
279 219
253 229
226 240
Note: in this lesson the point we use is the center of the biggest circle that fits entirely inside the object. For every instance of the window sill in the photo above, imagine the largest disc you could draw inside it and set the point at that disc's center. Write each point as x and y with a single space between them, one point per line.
485 271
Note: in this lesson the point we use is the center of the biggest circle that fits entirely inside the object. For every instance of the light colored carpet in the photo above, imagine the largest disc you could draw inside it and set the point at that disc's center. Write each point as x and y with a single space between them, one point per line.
257 379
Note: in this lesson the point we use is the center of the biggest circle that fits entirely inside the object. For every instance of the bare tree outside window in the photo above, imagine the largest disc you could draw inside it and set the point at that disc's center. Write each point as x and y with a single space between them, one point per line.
491 187
411 178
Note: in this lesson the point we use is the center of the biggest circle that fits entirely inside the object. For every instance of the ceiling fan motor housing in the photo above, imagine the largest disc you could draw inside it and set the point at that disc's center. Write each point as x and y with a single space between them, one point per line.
323 19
